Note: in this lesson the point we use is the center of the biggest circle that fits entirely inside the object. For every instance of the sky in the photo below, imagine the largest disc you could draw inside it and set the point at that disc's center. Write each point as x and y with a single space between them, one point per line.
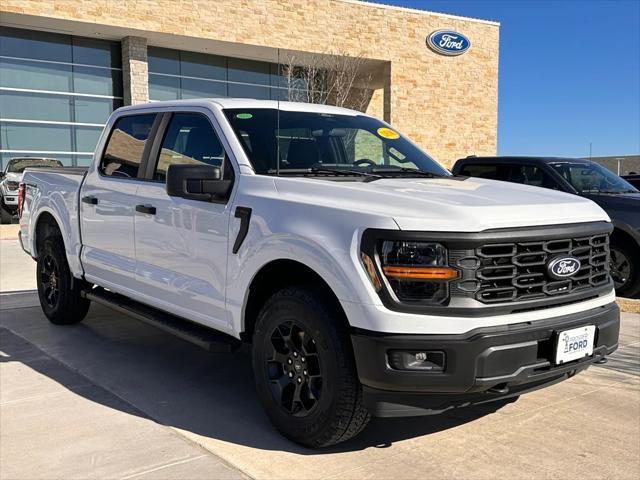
569 73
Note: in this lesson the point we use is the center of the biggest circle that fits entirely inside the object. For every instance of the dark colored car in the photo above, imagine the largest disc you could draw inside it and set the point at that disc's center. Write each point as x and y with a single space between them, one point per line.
633 179
616 196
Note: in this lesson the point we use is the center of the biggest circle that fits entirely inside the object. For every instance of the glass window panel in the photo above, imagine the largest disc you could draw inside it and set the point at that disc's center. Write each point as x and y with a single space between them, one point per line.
97 81
35 75
16 42
126 143
277 75
91 51
163 60
204 66
82 160
189 139
35 106
23 136
279 94
249 71
164 88
94 110
249 91
202 88
87 138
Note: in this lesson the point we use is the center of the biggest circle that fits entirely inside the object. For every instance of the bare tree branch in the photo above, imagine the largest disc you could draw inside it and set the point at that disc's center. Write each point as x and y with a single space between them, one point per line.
330 78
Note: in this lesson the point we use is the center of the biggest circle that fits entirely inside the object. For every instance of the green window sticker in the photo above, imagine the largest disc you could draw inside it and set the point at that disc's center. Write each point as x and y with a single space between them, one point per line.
244 116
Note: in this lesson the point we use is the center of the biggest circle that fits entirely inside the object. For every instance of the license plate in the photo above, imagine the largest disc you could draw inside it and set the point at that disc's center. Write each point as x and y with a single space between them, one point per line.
575 344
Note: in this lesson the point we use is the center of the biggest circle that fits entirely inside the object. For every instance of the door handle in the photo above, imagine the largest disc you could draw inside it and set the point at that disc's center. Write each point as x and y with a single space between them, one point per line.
90 199
151 210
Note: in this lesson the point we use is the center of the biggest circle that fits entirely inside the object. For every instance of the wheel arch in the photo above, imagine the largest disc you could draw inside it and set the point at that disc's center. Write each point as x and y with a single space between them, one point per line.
274 276
45 225
624 233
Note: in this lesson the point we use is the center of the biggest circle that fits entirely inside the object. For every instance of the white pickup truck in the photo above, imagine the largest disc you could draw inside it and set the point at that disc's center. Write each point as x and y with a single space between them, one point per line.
368 280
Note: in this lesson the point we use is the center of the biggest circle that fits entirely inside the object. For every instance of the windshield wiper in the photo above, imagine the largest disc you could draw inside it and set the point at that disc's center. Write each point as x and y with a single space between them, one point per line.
340 171
405 170
317 168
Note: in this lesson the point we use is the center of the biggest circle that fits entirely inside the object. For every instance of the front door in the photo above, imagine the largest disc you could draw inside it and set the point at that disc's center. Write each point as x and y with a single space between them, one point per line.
107 204
181 244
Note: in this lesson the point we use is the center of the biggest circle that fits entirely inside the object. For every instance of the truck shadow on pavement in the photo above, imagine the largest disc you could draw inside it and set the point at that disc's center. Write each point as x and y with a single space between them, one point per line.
160 377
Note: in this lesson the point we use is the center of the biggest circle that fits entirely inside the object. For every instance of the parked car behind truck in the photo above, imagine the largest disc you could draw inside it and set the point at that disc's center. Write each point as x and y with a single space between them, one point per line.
367 279
10 180
616 196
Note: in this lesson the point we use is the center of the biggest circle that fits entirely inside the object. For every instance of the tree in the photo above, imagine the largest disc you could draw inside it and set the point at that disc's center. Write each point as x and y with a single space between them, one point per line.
329 78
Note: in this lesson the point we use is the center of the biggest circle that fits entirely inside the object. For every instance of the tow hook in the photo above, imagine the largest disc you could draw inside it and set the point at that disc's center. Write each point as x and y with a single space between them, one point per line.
501 389
601 361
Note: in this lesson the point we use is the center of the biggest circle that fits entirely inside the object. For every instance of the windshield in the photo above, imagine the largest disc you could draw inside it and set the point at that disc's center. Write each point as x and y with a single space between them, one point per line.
592 178
307 142
18 165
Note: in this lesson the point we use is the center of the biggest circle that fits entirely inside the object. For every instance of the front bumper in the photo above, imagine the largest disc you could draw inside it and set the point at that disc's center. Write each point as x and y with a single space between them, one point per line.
10 199
482 365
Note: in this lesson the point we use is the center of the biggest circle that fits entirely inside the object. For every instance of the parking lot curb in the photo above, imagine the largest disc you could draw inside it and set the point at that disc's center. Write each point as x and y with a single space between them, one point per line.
628 305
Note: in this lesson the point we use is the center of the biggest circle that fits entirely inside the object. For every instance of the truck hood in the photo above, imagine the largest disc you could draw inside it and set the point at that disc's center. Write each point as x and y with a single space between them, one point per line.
452 204
14 177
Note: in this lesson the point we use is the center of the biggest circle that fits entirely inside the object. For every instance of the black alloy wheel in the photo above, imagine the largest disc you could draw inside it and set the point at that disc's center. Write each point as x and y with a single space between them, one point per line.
294 370
304 368
60 294
49 277
620 268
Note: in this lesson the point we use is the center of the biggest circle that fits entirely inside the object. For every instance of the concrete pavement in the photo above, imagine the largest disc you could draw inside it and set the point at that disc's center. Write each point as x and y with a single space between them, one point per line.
586 426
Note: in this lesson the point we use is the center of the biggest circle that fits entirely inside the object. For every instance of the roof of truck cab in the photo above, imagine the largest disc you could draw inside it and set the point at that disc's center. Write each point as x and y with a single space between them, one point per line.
247 103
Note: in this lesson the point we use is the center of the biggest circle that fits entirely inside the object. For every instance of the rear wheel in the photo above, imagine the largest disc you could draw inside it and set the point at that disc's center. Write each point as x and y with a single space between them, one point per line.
59 294
625 269
304 369
6 216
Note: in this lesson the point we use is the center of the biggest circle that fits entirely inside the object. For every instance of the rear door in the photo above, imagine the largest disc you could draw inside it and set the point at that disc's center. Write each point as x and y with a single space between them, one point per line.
107 202
181 244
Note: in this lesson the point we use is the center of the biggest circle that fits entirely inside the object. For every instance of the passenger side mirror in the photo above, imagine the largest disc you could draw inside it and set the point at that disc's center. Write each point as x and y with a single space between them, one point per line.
197 182
2 174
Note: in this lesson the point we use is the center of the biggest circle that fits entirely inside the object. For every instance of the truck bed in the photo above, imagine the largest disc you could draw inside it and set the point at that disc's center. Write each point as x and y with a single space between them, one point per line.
53 191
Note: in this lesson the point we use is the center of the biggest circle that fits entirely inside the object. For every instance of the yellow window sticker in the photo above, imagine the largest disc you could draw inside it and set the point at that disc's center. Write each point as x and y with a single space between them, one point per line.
385 132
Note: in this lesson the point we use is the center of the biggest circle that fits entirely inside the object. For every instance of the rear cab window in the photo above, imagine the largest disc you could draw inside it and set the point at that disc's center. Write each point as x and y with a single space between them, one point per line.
125 148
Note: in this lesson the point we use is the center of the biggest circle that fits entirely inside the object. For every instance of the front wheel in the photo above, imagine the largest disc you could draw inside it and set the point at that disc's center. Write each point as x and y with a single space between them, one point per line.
59 294
6 217
304 369
625 269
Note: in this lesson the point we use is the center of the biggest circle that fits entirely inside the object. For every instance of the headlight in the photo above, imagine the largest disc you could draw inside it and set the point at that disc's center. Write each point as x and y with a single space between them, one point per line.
416 272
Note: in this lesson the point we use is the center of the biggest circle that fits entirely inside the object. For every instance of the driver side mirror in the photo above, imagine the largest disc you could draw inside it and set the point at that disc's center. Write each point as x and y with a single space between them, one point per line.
197 182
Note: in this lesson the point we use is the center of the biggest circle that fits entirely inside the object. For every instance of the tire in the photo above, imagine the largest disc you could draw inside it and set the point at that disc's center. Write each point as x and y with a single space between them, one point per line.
299 336
625 269
58 292
5 216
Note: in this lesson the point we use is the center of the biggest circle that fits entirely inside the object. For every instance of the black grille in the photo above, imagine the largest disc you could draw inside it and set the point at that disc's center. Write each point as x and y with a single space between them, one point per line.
509 272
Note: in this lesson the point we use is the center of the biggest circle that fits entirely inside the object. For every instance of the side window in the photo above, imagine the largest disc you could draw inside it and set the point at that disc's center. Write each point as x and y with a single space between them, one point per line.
481 171
532 175
189 138
123 154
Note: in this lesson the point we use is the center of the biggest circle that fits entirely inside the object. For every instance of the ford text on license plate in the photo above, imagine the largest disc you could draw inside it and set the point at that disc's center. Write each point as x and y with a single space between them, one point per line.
575 343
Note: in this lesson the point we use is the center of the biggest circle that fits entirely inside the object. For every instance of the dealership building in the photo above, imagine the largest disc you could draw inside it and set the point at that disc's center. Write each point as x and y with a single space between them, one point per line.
65 65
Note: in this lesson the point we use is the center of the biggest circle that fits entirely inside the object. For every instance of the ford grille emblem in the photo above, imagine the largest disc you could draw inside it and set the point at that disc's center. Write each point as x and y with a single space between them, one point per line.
563 267
448 42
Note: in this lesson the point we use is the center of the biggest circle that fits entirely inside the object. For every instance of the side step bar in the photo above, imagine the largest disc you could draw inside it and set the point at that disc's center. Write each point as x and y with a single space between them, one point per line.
199 335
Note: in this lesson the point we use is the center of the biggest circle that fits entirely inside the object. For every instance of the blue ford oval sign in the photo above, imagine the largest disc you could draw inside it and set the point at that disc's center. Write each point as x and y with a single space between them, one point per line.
448 42
563 267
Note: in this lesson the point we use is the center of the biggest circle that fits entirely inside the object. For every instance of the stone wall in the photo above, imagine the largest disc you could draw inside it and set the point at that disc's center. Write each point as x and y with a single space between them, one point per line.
448 105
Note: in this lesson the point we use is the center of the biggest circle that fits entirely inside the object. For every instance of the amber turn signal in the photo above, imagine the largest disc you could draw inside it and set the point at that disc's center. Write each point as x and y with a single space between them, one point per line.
421 273
371 271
